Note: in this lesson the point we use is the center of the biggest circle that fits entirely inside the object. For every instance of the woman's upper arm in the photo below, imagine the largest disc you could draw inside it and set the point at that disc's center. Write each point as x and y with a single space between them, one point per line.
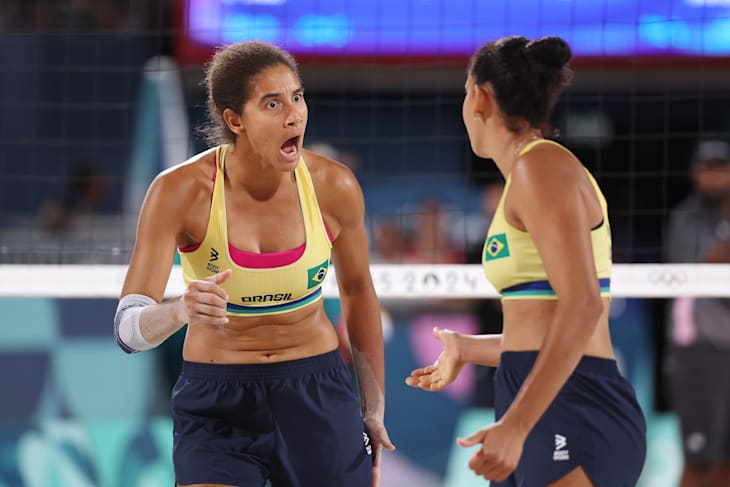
350 246
546 197
155 245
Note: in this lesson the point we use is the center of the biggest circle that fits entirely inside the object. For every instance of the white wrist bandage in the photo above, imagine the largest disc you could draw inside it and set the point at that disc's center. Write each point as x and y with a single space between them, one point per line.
126 323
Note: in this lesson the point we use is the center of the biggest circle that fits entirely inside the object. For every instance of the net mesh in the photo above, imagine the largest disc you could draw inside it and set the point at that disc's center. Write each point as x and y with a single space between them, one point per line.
84 132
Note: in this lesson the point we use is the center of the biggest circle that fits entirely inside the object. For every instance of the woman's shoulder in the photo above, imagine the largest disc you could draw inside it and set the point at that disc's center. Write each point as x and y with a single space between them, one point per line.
198 165
546 163
327 172
338 192
184 180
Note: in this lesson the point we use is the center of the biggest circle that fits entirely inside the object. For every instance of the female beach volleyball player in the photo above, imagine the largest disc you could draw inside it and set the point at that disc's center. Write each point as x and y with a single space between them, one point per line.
564 414
263 393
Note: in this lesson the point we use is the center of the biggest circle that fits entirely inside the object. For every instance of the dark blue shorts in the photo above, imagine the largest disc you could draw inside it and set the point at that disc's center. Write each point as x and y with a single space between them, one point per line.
296 423
595 422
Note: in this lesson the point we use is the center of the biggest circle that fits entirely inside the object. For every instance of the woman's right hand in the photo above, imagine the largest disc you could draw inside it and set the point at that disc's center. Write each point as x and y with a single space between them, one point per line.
204 301
444 370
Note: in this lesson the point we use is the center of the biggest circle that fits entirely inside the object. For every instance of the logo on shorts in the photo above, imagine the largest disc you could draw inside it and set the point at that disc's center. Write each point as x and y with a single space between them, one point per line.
368 445
496 247
561 453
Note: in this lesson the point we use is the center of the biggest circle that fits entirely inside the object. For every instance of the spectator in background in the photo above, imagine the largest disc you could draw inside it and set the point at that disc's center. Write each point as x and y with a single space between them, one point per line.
388 242
698 357
82 197
431 242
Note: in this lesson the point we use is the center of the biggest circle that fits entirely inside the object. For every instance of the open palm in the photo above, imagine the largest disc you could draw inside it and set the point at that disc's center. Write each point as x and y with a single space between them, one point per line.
444 370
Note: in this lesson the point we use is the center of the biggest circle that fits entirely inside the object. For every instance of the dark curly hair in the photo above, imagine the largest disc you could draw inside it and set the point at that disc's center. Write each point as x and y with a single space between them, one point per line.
527 77
228 78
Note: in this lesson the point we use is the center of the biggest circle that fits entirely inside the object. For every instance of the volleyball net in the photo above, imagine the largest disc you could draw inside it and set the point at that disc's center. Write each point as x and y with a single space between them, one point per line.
392 282
384 86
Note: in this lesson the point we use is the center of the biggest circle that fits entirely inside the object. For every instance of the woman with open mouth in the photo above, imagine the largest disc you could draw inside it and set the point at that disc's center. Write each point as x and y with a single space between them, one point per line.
263 393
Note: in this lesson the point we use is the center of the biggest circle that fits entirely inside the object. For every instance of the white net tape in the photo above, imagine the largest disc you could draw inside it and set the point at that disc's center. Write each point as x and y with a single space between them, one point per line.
391 281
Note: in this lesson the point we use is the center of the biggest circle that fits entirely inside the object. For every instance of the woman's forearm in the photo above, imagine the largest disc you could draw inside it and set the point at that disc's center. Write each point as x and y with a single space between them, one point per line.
159 322
362 315
141 324
480 349
372 395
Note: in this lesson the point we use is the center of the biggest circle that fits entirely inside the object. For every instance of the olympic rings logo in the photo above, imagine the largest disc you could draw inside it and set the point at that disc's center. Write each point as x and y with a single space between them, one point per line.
668 278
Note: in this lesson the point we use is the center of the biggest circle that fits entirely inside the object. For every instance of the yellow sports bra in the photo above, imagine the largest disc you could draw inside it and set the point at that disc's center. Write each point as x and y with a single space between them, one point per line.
262 284
512 263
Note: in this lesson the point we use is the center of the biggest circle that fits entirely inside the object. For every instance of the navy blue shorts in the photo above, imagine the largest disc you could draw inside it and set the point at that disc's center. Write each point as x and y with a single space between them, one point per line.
595 422
295 423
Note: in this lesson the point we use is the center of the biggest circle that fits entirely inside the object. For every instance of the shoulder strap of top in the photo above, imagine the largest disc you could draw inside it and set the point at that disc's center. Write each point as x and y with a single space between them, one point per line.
313 217
217 217
220 154
597 188
532 144
599 193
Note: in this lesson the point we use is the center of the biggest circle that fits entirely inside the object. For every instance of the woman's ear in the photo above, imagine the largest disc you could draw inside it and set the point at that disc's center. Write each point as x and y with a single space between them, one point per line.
233 121
483 100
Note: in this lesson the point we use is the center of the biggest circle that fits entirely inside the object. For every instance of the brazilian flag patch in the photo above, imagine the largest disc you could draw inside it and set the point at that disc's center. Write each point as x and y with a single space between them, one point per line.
496 247
316 274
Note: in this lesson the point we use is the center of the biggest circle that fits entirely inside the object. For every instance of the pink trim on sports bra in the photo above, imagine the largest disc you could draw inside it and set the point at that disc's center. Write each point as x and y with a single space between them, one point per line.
189 248
254 260
264 260
267 260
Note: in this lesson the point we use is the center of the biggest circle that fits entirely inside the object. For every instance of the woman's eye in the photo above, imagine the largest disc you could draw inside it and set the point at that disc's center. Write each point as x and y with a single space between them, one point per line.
298 97
272 104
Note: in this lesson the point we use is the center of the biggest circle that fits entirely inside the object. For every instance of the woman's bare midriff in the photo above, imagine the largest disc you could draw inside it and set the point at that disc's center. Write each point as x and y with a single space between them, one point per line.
262 339
526 323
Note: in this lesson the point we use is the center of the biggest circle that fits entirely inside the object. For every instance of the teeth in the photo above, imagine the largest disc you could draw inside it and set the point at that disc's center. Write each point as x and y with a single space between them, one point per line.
290 146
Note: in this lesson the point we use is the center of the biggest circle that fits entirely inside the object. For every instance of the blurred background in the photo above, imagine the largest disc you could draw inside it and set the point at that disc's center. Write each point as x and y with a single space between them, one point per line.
98 96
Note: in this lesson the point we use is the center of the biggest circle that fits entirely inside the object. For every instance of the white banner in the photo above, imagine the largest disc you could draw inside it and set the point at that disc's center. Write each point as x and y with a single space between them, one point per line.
391 281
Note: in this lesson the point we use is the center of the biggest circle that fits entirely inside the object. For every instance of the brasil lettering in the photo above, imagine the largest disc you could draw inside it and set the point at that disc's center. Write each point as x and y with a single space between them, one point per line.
265 298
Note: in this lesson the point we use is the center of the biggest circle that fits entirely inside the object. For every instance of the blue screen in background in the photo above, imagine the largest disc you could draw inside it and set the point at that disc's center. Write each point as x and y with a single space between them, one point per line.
457 27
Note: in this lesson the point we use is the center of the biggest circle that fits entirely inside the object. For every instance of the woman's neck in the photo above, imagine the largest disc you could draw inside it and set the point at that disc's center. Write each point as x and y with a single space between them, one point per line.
247 170
509 150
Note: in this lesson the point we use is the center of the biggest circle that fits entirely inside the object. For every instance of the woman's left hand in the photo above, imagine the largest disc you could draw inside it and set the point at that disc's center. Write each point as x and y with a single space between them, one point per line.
500 451
445 369
379 439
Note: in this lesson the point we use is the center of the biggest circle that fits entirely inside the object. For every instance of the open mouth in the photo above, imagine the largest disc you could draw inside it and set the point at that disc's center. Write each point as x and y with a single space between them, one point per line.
290 148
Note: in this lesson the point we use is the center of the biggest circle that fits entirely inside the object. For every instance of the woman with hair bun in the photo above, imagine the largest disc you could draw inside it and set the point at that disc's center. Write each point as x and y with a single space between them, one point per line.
565 417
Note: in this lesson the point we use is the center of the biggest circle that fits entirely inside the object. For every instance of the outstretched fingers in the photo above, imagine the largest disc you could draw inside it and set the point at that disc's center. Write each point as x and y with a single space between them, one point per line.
428 382
423 370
